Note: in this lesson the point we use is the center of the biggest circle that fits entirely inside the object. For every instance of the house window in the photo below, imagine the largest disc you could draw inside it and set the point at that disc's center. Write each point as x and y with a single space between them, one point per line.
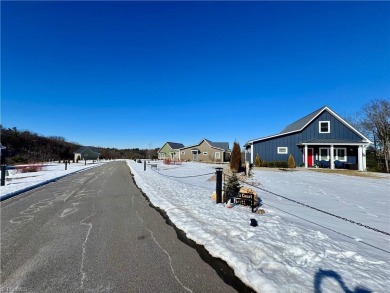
282 150
183 152
340 154
217 155
324 126
205 153
324 154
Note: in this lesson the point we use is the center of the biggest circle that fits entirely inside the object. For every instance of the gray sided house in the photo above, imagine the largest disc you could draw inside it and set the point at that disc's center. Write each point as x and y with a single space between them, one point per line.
206 151
86 153
169 150
321 137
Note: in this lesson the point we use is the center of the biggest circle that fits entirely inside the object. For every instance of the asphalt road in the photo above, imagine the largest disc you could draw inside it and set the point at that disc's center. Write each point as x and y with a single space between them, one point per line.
95 232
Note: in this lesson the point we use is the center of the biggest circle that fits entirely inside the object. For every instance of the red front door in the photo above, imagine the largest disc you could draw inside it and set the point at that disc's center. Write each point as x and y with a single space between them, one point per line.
310 157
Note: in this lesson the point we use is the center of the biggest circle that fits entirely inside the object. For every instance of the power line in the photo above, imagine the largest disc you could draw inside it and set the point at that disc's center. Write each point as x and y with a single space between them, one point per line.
314 208
183 176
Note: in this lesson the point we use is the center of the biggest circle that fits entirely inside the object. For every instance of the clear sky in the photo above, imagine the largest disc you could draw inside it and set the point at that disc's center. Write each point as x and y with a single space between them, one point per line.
138 74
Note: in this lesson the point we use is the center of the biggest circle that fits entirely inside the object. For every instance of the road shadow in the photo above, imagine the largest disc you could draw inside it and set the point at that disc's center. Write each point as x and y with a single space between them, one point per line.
328 274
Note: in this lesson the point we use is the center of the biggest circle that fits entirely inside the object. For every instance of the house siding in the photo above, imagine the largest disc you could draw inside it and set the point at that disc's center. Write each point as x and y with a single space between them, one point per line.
166 149
267 149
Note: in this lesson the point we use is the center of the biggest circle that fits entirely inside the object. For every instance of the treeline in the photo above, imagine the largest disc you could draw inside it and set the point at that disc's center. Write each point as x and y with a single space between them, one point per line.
23 146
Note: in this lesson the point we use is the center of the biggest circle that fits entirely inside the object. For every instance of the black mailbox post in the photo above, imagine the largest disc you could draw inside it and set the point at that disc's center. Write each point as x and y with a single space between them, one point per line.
218 185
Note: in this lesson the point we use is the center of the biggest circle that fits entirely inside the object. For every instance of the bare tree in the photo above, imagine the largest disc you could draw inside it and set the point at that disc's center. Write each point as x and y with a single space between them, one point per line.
377 121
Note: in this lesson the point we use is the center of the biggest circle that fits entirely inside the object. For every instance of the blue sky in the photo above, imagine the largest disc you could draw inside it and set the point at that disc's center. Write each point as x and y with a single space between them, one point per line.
138 74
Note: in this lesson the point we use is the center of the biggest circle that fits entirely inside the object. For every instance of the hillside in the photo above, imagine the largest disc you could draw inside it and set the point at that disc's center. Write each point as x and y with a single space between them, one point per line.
24 146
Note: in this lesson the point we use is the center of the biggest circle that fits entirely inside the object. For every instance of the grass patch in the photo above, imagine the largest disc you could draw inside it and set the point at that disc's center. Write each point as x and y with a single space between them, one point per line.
348 172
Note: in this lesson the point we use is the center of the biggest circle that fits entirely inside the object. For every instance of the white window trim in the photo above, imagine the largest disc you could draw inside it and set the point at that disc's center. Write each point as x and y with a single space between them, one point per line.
327 154
336 157
319 126
219 155
280 151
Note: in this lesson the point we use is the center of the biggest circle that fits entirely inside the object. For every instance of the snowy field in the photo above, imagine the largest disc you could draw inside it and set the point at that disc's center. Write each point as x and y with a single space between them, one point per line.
17 182
294 248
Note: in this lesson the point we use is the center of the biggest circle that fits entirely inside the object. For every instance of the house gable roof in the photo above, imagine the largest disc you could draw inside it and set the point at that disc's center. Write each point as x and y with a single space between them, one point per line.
218 145
224 146
175 145
302 123
86 148
172 145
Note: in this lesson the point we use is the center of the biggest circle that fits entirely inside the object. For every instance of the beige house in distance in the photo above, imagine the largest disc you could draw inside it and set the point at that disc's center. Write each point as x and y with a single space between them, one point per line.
206 151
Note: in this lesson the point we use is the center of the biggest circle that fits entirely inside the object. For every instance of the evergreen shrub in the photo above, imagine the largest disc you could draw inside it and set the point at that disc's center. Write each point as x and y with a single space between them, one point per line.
291 162
258 161
232 186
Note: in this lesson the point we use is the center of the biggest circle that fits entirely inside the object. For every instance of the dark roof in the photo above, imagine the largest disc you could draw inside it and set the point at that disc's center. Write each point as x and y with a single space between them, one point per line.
299 124
85 148
219 145
175 145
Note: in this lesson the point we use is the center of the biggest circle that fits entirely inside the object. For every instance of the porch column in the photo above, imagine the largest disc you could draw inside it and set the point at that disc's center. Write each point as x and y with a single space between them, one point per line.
306 158
252 162
360 158
364 159
332 157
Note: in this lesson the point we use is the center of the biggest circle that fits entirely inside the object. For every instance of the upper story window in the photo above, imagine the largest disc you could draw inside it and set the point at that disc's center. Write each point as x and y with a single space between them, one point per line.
324 126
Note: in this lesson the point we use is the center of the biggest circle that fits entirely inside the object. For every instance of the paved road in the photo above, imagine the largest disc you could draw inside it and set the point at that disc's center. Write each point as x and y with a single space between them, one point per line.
95 232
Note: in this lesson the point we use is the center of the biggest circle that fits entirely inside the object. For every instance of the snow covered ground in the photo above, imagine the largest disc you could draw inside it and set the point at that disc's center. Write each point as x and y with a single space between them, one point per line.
17 182
294 248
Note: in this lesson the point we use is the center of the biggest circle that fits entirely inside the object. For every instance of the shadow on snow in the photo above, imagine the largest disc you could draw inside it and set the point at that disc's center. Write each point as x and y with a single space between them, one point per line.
328 274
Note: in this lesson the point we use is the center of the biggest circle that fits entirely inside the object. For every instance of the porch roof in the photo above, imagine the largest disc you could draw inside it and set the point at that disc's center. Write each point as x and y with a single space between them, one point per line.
332 141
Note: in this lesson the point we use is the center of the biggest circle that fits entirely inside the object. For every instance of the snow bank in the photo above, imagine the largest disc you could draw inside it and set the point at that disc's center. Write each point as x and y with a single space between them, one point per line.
294 249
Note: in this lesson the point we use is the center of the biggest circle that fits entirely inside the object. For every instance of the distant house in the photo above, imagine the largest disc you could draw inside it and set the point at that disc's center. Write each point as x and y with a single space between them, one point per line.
206 151
86 153
320 138
169 150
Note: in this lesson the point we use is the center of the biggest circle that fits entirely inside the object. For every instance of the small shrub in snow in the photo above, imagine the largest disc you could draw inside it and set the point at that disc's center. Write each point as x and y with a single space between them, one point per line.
232 186
291 162
258 161
30 168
